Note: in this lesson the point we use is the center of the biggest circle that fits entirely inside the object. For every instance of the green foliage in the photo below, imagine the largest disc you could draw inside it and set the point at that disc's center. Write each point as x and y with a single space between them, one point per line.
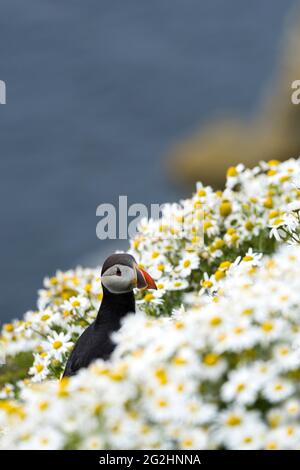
16 368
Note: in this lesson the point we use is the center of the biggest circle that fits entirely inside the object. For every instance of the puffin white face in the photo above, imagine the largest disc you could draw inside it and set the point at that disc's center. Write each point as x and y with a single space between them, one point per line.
119 279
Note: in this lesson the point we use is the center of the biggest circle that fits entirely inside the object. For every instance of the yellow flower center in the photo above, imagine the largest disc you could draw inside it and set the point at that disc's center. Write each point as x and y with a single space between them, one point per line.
233 420
219 275
9 327
177 284
272 445
238 330
179 325
161 376
231 171
145 429
267 326
225 208
187 443
278 222
273 214
211 359
268 203
234 237
117 375
207 225
207 284
284 178
43 405
284 351
98 408
225 265
240 387
248 311
63 388
249 225
215 321
179 361
148 297
278 387
219 243
162 403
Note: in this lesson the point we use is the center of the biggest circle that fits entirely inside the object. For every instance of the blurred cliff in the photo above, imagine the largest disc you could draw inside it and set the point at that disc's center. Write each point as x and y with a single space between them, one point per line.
272 132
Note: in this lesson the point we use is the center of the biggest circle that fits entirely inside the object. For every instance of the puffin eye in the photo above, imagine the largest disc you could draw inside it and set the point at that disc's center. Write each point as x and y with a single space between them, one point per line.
118 272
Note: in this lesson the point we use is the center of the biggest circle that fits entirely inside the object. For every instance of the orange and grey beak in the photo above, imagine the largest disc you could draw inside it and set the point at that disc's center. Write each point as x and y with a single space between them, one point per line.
144 280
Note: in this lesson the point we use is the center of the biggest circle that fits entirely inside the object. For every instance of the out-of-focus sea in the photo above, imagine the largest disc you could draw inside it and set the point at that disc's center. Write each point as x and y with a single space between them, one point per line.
97 92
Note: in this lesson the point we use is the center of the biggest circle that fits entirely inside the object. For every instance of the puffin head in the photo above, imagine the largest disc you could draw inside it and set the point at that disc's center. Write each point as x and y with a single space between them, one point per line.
121 274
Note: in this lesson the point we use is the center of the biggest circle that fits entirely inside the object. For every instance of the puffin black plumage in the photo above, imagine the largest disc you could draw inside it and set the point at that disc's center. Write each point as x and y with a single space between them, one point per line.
119 276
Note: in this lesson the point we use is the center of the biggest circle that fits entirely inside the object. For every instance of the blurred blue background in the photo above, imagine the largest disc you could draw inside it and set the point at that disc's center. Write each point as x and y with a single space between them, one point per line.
97 91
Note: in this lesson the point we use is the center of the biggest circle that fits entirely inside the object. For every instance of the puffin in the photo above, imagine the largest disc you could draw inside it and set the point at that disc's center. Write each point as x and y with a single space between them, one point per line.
120 274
